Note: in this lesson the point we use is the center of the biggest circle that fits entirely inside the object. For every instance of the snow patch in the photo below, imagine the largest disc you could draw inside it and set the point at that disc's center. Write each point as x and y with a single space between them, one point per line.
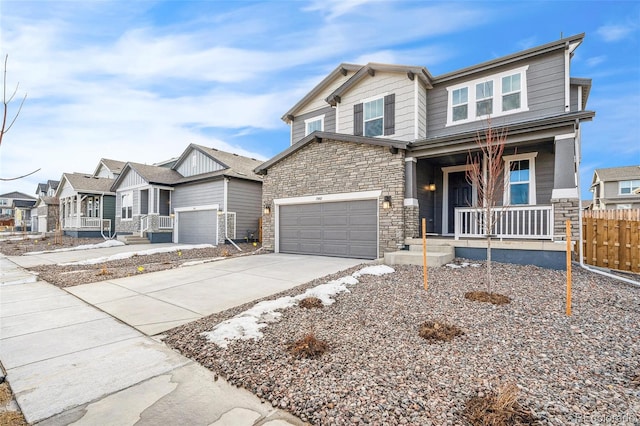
462 265
120 256
374 270
247 324
104 244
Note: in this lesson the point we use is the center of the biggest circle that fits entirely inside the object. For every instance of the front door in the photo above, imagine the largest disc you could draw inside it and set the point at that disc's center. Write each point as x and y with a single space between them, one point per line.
460 195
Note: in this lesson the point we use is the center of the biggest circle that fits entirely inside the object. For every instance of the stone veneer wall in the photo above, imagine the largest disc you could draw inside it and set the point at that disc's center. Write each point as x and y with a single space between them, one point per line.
563 209
331 167
411 221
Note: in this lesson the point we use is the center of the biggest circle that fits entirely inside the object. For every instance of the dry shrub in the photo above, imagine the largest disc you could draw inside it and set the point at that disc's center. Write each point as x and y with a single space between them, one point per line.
310 302
5 393
103 271
484 296
12 418
498 408
225 253
308 347
438 331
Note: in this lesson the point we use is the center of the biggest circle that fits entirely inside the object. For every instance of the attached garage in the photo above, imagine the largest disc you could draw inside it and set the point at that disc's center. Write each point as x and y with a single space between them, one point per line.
341 228
197 226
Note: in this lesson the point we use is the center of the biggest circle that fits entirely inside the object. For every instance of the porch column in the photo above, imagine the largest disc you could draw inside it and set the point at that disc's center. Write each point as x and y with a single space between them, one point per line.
78 210
564 196
411 210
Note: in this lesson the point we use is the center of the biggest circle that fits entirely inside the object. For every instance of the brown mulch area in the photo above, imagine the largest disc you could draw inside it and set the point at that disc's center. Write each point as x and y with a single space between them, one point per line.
434 331
9 415
498 408
485 296
71 275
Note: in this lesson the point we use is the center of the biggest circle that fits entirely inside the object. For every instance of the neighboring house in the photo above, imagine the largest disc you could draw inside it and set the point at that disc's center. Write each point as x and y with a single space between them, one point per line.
190 199
22 214
376 147
616 188
45 213
6 202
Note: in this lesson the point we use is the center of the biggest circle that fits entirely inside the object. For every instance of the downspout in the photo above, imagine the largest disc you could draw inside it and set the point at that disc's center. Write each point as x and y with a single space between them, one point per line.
225 198
580 249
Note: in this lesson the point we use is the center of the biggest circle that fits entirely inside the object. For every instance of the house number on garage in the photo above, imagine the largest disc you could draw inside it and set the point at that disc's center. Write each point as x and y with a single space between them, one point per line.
318 198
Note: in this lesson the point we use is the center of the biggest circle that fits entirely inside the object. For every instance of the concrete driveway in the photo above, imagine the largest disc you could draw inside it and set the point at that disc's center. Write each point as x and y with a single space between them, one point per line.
158 301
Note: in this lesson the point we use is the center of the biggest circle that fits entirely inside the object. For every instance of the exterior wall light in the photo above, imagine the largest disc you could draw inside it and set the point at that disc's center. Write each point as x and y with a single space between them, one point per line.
386 203
431 187
267 209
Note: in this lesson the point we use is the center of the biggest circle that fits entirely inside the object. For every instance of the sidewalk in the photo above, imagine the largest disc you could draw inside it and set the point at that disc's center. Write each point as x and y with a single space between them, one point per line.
70 363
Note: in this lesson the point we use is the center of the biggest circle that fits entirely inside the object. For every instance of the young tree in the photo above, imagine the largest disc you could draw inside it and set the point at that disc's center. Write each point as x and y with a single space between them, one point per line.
5 104
486 173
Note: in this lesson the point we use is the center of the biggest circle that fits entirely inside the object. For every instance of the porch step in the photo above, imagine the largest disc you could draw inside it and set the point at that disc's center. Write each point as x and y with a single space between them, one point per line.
437 255
135 239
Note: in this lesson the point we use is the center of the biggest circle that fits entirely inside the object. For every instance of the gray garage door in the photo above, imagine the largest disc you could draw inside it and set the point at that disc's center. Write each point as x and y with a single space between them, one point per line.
346 229
198 227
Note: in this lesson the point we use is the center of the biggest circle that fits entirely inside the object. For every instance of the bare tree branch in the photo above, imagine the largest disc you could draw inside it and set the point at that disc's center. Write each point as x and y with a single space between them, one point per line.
5 104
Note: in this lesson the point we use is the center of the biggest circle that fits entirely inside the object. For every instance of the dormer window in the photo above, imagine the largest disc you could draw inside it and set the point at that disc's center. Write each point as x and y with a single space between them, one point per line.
314 124
496 95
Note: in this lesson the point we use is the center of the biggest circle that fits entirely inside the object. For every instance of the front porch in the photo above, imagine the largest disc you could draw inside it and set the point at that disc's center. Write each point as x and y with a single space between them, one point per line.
87 215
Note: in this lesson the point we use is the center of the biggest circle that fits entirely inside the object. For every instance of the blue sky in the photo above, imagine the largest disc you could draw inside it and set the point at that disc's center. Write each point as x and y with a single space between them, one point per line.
140 80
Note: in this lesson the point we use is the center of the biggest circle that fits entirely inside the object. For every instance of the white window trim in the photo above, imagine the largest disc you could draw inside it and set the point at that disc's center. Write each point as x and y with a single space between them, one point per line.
497 96
311 120
630 186
129 193
370 99
508 159
445 193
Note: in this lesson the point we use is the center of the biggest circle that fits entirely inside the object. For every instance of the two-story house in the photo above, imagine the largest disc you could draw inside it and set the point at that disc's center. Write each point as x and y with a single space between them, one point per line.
616 188
45 215
7 203
376 147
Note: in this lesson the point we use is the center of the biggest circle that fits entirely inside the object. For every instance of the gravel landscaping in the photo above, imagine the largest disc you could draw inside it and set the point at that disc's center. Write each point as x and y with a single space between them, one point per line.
71 275
376 369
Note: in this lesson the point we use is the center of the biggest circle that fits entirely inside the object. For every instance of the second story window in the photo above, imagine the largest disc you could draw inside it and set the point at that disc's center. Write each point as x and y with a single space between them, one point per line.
511 92
314 124
626 187
374 117
484 98
460 104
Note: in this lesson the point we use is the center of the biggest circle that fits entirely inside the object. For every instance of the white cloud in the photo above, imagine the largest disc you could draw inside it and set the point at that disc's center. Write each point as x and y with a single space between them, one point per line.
611 33
596 60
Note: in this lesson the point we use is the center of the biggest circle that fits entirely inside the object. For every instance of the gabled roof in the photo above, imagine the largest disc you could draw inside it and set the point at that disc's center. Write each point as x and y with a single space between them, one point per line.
617 173
17 195
81 182
320 136
114 166
53 184
234 165
342 69
42 187
370 69
49 201
570 43
152 174
23 203
585 84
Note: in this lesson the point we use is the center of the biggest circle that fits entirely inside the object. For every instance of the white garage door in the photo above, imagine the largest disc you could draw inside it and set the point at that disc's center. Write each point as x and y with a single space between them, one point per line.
345 229
198 227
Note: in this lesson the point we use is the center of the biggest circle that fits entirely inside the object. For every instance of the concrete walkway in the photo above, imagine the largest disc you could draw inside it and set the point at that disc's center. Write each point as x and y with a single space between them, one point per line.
71 363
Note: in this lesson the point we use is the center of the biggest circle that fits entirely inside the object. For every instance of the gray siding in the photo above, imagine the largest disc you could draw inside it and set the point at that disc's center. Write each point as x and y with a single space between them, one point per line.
545 93
196 163
199 194
573 97
245 199
131 179
544 164
299 126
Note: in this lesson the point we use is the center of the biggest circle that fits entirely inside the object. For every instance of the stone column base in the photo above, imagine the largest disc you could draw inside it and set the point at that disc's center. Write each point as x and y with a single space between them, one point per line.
563 209
411 221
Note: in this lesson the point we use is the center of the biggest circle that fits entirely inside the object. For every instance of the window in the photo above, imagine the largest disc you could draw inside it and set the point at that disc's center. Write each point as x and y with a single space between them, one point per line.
520 188
314 124
127 205
627 187
511 92
484 98
459 102
3 202
496 95
623 206
374 117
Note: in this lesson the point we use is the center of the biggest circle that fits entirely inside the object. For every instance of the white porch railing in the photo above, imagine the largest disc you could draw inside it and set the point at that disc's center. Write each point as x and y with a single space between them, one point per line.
85 222
165 222
521 222
144 224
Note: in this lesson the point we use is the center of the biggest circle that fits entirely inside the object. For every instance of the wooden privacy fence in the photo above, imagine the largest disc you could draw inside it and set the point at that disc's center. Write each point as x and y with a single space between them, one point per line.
611 239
